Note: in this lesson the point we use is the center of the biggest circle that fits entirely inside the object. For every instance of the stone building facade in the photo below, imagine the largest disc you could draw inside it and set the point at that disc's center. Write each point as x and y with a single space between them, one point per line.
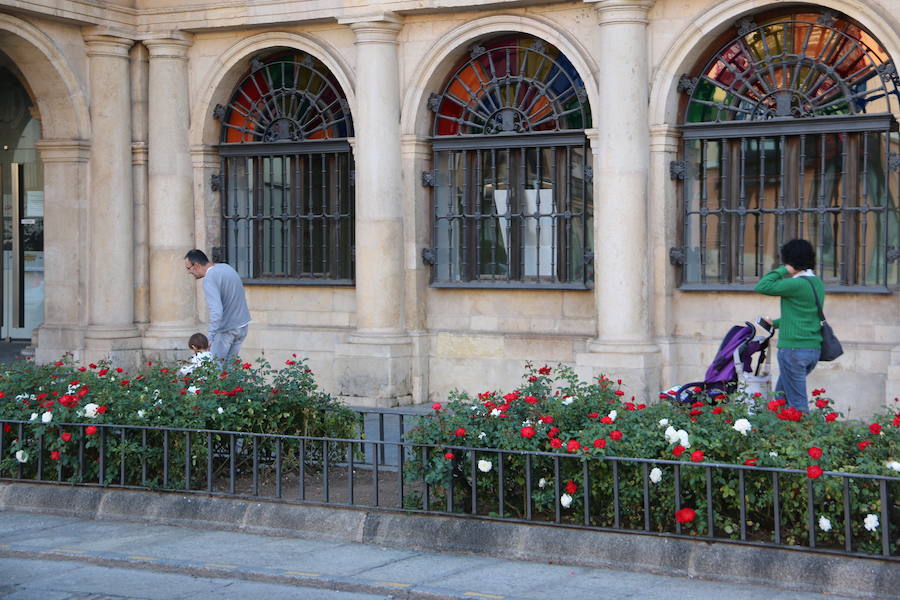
425 195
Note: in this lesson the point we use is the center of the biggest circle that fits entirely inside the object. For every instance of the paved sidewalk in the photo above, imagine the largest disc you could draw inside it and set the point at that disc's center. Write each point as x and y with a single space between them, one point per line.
148 561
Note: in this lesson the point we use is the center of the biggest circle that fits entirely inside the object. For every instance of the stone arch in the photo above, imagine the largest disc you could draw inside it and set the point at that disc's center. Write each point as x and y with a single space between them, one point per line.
232 64
429 75
693 42
58 94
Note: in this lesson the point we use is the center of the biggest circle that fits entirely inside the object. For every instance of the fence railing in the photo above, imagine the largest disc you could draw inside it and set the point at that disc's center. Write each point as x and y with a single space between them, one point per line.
732 503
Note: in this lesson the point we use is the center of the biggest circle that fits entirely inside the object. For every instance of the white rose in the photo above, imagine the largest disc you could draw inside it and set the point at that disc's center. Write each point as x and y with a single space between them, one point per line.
613 414
683 438
671 434
663 422
568 401
742 426
47 417
220 410
824 524
542 482
193 389
484 465
482 435
21 456
495 412
141 414
33 417
893 465
565 500
773 454
871 522
656 475
90 410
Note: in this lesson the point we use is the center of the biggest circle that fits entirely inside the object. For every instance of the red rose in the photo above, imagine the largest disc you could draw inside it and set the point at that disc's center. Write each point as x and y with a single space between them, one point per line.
620 393
678 450
527 432
92 365
511 397
697 456
460 432
607 419
546 419
615 435
101 409
448 455
554 431
751 462
119 369
896 420
290 363
573 445
102 372
90 430
772 405
54 455
600 443
556 443
790 414
246 366
818 392
697 404
685 515
815 453
532 378
642 406
66 436
695 412
58 363
7 428
436 406
864 444
814 471
545 370
875 428
630 406
821 403
531 400
571 487
717 410
831 417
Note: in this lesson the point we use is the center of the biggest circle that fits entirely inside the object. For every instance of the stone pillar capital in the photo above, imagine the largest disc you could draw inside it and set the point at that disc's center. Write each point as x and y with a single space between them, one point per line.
415 145
173 45
593 136
64 150
664 138
203 155
377 28
612 12
139 153
106 43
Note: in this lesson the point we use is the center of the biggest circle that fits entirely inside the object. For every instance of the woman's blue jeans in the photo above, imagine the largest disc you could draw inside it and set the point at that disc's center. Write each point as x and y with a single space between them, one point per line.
794 365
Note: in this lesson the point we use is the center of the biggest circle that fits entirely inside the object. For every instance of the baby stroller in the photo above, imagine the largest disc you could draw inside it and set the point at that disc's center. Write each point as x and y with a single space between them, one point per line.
732 368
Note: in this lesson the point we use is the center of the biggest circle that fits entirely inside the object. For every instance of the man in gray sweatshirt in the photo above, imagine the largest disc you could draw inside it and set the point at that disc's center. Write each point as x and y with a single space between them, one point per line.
229 317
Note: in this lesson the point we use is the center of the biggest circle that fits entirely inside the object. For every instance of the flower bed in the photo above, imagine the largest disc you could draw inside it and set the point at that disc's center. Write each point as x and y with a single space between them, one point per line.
578 421
93 399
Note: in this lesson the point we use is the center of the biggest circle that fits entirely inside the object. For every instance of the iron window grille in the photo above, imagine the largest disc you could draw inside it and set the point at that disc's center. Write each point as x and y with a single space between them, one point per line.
288 173
789 132
511 202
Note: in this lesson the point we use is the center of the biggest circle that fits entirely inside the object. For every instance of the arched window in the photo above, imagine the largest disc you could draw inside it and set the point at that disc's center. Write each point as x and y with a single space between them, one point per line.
512 179
288 173
790 131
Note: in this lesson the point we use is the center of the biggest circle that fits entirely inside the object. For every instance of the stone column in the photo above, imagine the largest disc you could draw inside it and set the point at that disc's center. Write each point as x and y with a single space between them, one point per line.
111 333
173 315
623 346
139 90
374 366
65 164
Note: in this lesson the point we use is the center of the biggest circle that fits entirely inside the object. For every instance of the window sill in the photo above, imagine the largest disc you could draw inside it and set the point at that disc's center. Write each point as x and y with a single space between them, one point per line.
302 282
511 285
749 287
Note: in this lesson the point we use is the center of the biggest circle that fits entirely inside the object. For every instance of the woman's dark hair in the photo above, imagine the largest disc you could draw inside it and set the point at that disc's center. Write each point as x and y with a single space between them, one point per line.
198 341
799 254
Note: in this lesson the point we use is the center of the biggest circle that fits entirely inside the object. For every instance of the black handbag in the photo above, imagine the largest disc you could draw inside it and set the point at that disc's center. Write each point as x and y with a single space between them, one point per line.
831 346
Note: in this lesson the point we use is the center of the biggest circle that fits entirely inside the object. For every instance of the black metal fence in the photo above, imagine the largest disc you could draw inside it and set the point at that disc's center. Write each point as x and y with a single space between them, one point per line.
382 470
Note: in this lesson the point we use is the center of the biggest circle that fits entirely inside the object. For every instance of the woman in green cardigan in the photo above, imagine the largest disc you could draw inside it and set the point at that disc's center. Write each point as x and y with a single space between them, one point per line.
799 338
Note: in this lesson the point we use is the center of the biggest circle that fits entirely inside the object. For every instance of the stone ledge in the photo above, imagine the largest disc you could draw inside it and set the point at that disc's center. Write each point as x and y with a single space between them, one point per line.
787 568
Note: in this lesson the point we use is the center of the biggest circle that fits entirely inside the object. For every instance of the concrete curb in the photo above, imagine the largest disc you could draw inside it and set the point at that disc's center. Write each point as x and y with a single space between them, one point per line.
735 563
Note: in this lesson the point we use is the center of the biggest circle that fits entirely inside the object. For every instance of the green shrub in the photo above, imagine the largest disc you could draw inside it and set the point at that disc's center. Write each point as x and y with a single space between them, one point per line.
586 431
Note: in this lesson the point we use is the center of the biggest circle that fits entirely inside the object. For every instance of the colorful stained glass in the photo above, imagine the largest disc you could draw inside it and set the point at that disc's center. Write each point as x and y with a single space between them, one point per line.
512 84
802 64
289 97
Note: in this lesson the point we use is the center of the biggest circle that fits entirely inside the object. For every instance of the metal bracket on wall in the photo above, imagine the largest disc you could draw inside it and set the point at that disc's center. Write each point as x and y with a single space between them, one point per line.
676 255
428 256
215 182
429 178
677 169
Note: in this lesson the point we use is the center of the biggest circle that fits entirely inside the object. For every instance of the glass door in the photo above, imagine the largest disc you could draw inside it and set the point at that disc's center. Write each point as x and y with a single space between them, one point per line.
21 212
